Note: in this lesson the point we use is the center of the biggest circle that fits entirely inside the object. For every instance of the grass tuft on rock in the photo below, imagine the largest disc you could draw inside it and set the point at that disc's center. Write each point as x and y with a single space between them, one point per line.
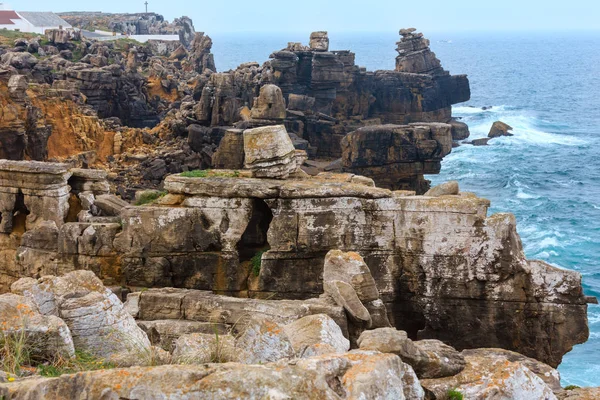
572 387
204 173
257 262
81 362
454 394
150 197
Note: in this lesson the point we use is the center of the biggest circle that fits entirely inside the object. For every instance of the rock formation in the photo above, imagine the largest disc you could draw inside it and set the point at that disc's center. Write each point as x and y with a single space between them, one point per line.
205 232
259 262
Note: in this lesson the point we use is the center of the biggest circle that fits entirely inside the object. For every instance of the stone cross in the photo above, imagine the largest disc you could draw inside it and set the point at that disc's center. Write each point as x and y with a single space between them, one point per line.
146 4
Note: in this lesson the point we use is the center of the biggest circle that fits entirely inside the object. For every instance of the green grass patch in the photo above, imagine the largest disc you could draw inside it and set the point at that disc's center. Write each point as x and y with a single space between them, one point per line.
572 387
149 197
82 362
256 262
454 394
204 173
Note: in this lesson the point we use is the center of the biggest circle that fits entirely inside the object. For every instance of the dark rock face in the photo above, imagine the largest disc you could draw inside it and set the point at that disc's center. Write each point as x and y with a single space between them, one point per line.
397 156
200 54
329 96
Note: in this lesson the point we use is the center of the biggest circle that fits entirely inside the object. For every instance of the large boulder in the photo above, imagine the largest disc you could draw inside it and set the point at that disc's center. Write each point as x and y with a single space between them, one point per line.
46 337
351 268
269 152
98 322
316 329
429 358
487 376
269 104
348 280
445 189
500 128
545 372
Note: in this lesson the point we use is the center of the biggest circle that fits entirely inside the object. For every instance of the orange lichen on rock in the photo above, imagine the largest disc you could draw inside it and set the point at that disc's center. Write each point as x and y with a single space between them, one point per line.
155 88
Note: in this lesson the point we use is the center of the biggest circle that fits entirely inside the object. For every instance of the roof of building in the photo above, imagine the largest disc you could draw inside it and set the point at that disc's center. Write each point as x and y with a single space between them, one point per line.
7 16
43 19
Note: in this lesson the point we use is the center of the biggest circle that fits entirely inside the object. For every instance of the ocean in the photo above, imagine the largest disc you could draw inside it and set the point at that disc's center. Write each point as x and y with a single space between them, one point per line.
547 87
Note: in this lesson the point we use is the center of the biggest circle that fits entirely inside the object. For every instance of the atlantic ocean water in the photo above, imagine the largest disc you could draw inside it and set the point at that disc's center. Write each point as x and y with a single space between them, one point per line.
547 87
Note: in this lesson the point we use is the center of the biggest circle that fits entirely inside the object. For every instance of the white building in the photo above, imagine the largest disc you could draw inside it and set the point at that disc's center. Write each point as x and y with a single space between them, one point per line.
30 21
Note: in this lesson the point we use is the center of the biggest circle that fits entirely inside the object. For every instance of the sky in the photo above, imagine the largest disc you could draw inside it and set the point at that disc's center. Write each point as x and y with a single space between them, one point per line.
222 16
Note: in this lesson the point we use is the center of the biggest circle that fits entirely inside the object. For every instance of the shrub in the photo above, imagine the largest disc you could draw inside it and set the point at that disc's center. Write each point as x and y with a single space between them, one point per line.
454 394
14 351
571 387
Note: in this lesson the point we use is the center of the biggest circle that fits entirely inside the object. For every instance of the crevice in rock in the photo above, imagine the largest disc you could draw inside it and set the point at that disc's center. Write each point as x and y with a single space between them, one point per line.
254 238
20 213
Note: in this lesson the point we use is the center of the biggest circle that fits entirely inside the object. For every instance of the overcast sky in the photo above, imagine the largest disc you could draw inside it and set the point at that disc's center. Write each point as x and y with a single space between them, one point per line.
352 15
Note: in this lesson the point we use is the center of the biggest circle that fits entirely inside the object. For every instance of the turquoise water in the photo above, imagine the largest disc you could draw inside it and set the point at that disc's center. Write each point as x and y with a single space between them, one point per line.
547 86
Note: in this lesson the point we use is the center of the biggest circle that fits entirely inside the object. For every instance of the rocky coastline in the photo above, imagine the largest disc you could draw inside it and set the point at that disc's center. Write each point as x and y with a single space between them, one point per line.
170 231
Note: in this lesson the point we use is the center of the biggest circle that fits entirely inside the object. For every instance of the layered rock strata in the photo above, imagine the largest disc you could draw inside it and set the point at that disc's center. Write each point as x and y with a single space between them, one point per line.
441 265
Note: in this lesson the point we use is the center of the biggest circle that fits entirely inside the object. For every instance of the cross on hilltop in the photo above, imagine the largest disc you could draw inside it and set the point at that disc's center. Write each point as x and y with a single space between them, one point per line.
146 4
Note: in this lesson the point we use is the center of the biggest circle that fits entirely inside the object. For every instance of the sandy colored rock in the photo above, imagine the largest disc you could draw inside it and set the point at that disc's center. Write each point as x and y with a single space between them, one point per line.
352 269
269 104
352 375
487 376
449 188
202 348
429 358
315 329
500 128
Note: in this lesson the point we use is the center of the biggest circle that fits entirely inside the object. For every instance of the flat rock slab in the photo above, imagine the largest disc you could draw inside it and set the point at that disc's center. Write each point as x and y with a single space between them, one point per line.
271 188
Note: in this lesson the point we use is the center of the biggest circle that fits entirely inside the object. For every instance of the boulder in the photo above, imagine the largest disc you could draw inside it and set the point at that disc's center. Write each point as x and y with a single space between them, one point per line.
319 41
344 295
351 268
202 348
429 358
269 152
488 376
269 104
46 337
445 189
316 329
98 322
545 372
17 85
263 341
587 393
500 128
